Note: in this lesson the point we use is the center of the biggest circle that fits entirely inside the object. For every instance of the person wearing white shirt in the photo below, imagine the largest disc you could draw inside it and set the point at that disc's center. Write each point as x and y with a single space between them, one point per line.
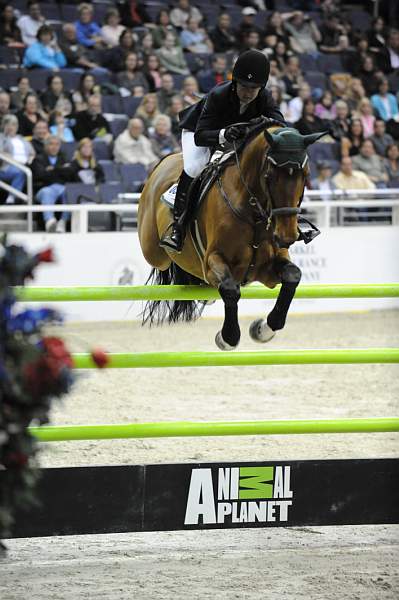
18 149
112 28
29 24
295 106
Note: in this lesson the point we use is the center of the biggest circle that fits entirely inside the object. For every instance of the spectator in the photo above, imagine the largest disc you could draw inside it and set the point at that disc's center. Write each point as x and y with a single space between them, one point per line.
377 35
18 97
133 14
340 125
251 41
392 50
5 103
112 28
385 103
152 72
132 75
59 127
114 59
295 106
247 24
190 91
281 55
132 147
10 34
293 78
146 48
325 108
194 39
148 110
175 108
163 142
19 149
309 122
392 163
87 87
45 53
354 93
223 36
323 181
269 43
164 26
217 74
88 32
29 24
275 76
166 92
171 56
370 163
304 34
181 14
55 97
349 179
369 76
275 26
75 54
330 32
90 123
365 112
29 115
84 165
350 144
381 139
50 172
40 134
282 104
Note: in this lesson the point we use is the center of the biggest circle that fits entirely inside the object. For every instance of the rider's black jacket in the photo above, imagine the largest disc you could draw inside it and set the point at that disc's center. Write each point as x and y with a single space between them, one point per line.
221 108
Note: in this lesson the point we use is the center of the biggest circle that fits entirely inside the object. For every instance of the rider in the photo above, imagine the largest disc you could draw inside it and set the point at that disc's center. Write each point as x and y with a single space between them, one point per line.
214 121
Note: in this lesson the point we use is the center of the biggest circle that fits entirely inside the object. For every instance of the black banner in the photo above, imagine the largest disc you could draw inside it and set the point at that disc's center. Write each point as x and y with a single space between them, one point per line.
91 500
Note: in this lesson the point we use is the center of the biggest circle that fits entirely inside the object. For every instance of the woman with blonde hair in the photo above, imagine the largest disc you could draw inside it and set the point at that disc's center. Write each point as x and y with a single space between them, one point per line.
148 110
366 115
163 141
84 164
190 91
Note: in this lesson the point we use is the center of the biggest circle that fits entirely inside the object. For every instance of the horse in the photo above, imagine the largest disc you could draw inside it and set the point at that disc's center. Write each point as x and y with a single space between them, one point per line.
246 224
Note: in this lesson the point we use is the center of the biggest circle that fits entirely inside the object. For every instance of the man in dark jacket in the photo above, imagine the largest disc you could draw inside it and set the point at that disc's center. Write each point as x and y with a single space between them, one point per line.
91 123
213 122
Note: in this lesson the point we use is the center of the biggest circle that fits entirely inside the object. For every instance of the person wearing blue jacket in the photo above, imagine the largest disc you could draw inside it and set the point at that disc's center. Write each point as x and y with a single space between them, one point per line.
88 32
44 53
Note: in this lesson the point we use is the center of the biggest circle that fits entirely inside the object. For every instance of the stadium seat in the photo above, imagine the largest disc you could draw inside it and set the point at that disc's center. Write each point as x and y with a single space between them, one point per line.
320 151
9 77
307 62
117 126
330 63
69 12
111 171
130 105
71 78
133 176
68 149
109 192
51 11
80 193
112 104
38 78
316 79
102 150
9 56
360 19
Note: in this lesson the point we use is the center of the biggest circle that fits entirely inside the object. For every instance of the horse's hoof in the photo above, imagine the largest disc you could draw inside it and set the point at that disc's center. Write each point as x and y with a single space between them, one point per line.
260 331
221 344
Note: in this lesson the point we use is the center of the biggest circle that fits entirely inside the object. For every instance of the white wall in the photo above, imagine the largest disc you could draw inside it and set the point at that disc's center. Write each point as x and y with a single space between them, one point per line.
338 255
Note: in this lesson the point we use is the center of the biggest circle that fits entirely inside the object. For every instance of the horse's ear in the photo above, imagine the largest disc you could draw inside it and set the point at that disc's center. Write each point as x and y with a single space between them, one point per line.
271 140
313 137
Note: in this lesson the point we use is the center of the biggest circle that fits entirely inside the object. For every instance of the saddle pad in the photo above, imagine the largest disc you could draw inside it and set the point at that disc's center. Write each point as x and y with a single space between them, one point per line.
169 196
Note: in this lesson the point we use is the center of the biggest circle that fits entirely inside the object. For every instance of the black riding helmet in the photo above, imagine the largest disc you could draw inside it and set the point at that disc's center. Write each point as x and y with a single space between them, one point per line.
252 69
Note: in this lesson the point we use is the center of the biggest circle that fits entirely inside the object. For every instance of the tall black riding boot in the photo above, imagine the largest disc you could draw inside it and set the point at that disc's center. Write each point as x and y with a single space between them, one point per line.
175 239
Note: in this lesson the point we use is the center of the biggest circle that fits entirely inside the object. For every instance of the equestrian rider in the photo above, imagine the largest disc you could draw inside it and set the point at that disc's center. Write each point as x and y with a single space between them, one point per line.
214 122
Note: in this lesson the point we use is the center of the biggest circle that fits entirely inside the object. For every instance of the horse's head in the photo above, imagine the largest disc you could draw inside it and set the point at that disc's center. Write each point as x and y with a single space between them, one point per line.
285 173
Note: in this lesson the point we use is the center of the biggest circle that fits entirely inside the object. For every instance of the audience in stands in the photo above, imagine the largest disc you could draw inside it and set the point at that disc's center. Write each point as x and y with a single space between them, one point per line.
87 87
304 33
5 103
392 50
323 181
29 24
60 128
163 27
247 24
84 165
148 110
370 163
114 58
19 95
175 108
309 121
112 28
76 55
194 38
17 148
293 77
171 56
29 115
381 139
392 164
326 108
10 33
55 97
132 75
50 172
132 146
152 72
190 91
365 112
349 179
295 106
91 123
180 15
166 92
88 32
350 143
133 13
223 36
163 142
275 26
45 53
215 75
385 103
40 134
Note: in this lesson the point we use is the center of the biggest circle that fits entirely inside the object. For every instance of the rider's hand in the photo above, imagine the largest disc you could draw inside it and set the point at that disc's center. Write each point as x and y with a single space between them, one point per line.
272 123
235 133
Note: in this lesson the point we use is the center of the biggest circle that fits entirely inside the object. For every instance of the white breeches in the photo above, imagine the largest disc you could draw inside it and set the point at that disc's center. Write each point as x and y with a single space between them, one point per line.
195 158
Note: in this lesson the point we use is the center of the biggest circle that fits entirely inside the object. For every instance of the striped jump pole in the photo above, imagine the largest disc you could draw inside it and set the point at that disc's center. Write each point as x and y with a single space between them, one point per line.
141 360
63 433
196 292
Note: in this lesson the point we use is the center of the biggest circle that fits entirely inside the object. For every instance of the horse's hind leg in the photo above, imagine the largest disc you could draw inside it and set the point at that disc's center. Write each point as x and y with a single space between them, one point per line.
263 330
219 275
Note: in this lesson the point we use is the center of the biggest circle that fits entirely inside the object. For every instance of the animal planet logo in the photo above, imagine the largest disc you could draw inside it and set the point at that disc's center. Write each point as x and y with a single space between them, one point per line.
244 495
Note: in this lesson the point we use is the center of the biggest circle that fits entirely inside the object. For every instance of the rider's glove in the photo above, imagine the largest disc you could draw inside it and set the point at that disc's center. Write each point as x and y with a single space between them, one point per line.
234 133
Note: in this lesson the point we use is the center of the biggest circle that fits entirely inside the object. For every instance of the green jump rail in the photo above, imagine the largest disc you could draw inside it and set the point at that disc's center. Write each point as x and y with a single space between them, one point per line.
195 292
212 428
220 359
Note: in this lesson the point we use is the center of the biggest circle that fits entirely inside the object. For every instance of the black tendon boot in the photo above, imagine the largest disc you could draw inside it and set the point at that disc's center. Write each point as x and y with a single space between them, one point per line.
175 239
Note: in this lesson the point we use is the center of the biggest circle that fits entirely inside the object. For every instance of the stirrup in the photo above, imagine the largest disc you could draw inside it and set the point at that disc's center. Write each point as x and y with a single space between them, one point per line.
169 241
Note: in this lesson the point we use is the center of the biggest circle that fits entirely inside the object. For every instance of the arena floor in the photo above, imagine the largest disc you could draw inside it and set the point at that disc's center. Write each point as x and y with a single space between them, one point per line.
314 563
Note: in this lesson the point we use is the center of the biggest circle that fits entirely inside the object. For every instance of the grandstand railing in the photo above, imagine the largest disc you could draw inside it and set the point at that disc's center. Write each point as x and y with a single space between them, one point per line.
28 197
328 209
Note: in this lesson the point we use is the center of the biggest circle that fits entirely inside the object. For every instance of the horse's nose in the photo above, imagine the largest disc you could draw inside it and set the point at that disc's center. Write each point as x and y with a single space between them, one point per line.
285 242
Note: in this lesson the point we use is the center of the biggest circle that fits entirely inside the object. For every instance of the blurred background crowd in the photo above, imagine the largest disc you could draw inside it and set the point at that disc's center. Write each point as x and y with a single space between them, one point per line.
90 93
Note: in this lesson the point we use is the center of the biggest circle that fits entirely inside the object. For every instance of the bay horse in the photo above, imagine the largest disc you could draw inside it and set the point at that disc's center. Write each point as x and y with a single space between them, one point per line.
246 223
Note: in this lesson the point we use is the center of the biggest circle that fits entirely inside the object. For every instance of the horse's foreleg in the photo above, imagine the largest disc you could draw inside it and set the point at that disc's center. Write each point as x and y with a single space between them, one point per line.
263 330
219 275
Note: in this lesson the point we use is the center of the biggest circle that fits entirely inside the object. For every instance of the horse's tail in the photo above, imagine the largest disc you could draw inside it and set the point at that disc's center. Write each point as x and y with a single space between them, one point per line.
158 311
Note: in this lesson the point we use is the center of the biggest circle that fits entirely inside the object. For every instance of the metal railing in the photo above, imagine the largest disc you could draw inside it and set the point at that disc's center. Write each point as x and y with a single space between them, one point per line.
28 197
